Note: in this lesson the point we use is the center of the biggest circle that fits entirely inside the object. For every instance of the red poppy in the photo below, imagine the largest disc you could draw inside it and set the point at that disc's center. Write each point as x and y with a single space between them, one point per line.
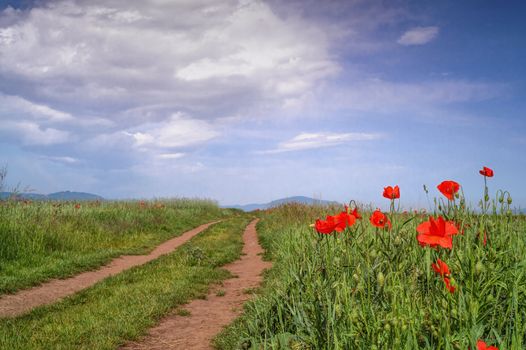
343 220
77 206
391 193
325 226
483 346
449 188
336 223
486 172
379 219
443 270
436 233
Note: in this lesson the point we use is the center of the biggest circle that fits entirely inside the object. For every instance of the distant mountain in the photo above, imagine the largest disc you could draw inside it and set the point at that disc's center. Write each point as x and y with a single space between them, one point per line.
57 196
275 203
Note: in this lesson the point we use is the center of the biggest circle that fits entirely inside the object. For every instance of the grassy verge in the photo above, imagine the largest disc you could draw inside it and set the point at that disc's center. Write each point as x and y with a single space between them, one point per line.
123 307
372 289
43 240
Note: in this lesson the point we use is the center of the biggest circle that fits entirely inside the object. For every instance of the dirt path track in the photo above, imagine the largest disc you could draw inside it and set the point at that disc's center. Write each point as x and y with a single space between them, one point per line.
208 317
52 291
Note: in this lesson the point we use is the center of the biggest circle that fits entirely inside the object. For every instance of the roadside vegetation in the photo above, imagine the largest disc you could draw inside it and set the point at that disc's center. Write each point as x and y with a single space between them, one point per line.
124 306
44 240
454 278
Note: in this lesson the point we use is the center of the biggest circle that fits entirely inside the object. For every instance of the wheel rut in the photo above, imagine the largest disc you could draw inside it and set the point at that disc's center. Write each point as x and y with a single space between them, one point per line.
12 305
208 316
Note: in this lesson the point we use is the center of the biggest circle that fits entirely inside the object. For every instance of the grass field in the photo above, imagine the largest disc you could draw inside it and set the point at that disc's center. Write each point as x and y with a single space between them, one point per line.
43 240
373 288
124 306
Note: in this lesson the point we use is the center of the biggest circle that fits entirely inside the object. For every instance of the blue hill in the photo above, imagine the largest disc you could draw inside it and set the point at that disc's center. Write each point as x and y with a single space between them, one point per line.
277 202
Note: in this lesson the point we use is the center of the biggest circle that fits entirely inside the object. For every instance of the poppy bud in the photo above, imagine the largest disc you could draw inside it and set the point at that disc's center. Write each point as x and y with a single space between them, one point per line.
486 198
501 199
355 277
380 278
457 195
387 327
439 207
479 267
373 254
397 240
509 200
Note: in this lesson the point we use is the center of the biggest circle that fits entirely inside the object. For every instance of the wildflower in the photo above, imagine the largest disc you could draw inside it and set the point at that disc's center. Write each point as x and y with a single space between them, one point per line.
448 188
392 193
336 223
379 219
325 226
343 220
483 346
487 172
77 206
443 270
436 233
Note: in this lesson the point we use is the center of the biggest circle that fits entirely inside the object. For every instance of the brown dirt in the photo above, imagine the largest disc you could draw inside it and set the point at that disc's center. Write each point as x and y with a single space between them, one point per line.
208 317
54 290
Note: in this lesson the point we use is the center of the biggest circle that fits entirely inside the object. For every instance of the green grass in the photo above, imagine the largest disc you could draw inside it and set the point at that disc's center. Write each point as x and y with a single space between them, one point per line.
369 289
44 240
123 307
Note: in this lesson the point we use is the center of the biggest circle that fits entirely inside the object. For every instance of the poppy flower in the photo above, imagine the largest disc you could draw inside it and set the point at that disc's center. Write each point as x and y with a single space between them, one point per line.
436 233
77 206
486 172
391 192
336 223
448 188
443 270
343 220
379 219
483 346
325 226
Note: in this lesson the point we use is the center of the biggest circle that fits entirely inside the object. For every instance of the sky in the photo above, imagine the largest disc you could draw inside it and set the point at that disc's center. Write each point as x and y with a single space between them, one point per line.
247 101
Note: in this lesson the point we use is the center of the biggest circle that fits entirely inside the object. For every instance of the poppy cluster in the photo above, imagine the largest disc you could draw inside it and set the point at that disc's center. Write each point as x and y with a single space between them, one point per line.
336 223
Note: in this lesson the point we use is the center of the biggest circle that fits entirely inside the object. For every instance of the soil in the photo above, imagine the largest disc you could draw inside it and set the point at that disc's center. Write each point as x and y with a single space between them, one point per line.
207 317
54 290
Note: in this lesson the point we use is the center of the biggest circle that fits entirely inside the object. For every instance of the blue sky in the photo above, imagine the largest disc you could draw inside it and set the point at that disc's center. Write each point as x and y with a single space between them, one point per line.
249 101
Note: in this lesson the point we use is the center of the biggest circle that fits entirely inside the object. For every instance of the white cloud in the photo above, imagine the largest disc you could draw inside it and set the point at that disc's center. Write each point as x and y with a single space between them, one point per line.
418 36
170 156
30 133
178 131
16 105
306 141
61 159
96 55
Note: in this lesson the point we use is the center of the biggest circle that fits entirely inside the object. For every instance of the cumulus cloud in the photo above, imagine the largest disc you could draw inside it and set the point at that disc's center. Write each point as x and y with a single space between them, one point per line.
418 36
305 141
178 131
102 55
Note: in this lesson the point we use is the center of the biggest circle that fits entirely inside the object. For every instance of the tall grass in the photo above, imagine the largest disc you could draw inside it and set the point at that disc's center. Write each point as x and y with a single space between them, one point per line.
367 288
41 240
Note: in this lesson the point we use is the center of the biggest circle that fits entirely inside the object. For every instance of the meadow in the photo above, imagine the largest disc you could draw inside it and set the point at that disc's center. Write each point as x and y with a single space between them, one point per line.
44 240
363 279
